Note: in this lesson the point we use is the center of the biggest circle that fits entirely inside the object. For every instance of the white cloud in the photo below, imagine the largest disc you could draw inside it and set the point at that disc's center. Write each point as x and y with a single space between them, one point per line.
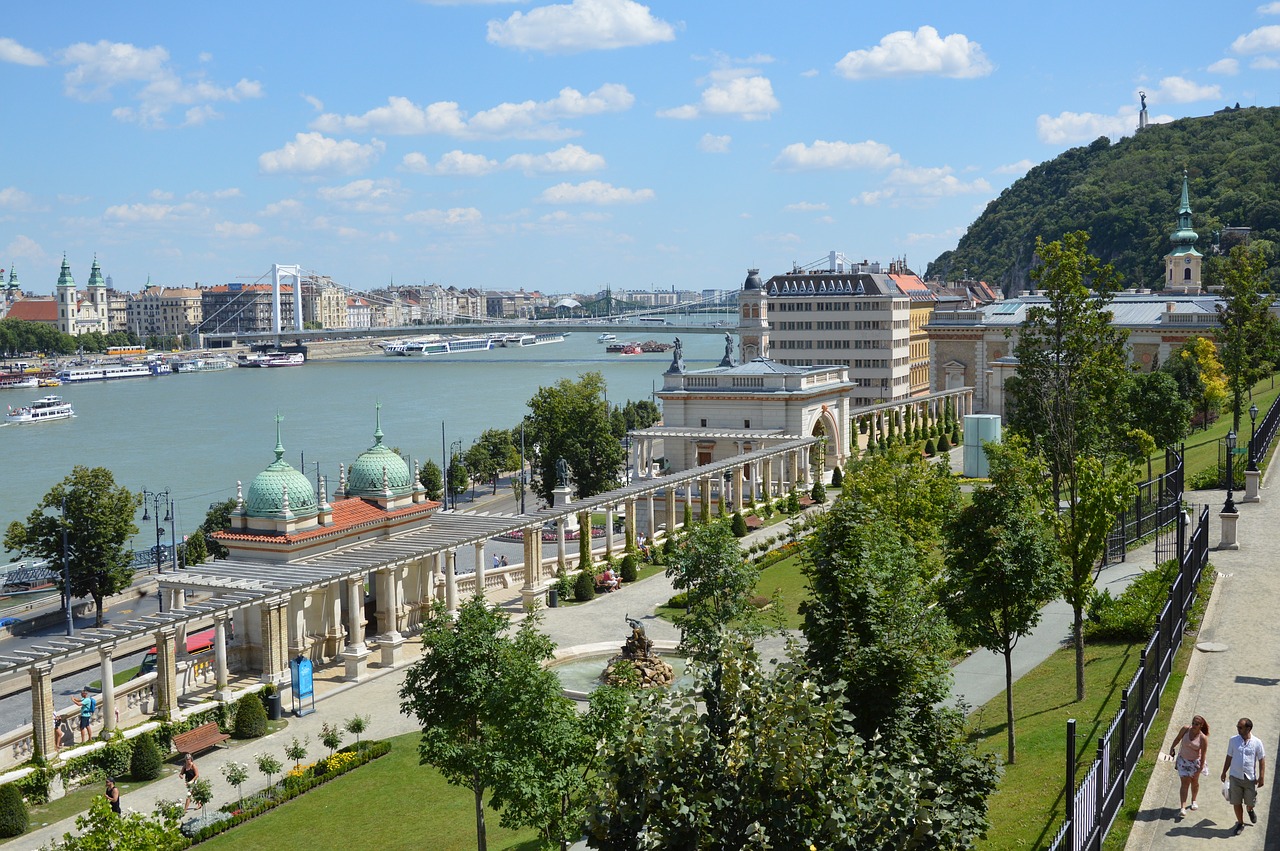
23 246
99 68
1069 127
826 155
13 198
230 192
924 52
141 213
1020 167
594 192
1181 90
917 186
582 25
236 230
948 234
450 217
315 102
315 152
1230 67
11 51
358 190
160 195
712 144
527 120
1269 9
804 207
1262 40
465 165
1264 63
286 207
569 159
748 97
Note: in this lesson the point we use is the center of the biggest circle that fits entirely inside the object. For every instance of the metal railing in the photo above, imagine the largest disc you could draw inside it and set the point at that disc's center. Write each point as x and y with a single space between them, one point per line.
1156 506
1096 801
1257 447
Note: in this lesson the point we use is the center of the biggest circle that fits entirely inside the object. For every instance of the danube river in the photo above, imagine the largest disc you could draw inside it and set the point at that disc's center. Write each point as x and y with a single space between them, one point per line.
197 434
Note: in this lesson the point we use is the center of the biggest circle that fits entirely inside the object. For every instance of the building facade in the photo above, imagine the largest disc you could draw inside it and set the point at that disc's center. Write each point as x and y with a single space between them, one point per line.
164 312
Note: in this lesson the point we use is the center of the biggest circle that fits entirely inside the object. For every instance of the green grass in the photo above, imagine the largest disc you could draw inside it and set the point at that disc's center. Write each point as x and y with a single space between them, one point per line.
391 803
1202 446
792 586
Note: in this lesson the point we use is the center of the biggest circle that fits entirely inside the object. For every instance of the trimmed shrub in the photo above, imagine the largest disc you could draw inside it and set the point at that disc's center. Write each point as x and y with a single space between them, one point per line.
819 492
738 525
584 587
564 585
251 718
688 515
679 601
13 812
837 478
929 448
116 755
944 443
144 764
630 566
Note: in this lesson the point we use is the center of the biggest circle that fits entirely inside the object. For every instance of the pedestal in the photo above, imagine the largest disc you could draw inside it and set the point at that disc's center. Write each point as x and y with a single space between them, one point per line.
562 496
1228 540
389 649
1251 478
355 657
529 597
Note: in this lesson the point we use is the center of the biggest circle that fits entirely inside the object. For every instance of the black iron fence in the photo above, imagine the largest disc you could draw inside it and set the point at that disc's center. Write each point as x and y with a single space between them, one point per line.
1252 452
1155 506
1095 802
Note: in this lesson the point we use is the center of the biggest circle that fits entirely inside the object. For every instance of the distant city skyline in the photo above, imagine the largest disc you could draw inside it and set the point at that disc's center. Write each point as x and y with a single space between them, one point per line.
565 147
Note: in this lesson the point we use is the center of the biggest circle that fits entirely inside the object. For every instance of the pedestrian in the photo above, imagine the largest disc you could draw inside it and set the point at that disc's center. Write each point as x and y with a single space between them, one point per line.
504 562
189 774
495 561
87 707
57 732
113 795
1247 763
1190 748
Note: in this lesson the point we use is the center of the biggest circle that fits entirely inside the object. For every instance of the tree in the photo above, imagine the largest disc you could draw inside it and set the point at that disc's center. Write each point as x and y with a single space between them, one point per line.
432 479
97 527
459 481
1072 371
1198 372
1156 407
100 830
570 420
709 565
217 519
1247 331
1002 560
491 454
462 693
770 762
194 549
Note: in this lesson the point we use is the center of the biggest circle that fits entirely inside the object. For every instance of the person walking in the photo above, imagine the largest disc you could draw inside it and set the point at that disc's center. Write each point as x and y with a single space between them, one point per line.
1246 763
189 774
87 707
1190 748
113 795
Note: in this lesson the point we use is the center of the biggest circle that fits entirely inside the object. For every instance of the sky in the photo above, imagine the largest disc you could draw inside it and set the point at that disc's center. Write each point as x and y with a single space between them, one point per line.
565 147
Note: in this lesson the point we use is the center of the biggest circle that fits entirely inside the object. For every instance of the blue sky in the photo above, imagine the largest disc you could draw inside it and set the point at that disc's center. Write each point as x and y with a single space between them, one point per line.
565 146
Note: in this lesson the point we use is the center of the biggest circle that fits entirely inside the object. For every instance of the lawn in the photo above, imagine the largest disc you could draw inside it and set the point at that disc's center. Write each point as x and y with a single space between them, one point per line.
1202 446
391 803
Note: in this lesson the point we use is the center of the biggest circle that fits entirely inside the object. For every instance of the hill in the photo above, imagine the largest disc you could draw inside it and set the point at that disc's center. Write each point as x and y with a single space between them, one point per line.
1126 196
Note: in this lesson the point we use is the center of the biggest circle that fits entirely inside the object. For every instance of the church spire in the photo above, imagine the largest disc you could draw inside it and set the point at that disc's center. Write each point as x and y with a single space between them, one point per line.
64 277
1184 238
95 274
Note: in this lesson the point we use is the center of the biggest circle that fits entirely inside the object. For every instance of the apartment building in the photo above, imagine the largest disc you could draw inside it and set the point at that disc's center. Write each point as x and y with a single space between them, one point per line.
164 312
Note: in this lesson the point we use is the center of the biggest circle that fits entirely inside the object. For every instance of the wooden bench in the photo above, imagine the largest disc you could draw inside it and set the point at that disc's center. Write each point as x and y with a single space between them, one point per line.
602 588
202 738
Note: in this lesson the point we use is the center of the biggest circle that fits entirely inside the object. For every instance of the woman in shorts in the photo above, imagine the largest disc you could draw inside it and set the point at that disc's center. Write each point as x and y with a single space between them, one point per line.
1189 749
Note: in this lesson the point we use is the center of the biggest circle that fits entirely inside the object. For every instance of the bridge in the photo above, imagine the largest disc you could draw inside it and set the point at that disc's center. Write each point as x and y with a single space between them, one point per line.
652 320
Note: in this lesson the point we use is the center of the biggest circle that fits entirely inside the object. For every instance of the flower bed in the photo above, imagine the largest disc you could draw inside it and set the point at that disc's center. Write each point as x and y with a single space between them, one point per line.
295 782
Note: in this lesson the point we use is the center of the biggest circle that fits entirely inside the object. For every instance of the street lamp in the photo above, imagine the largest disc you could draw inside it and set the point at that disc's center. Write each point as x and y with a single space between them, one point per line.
455 453
1229 507
156 497
66 571
1253 434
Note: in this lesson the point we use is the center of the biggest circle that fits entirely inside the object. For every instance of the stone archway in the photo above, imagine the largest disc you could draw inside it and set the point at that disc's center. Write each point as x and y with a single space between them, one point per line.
825 456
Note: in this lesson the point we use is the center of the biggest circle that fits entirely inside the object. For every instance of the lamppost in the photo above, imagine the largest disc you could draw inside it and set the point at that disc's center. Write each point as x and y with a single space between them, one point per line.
455 453
156 497
66 571
626 464
523 482
1253 433
1229 507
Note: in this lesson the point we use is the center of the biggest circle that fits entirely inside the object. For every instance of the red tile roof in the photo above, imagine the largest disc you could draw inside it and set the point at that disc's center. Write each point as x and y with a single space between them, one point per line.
347 514
34 310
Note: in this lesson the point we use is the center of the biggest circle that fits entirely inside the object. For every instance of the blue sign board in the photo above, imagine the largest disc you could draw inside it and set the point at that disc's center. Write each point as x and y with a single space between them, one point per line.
300 668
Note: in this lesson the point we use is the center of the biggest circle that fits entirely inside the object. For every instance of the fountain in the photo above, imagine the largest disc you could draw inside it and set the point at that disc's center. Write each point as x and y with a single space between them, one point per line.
637 654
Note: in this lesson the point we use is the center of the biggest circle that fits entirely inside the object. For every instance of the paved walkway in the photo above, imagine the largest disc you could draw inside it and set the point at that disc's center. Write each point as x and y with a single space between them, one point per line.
1237 673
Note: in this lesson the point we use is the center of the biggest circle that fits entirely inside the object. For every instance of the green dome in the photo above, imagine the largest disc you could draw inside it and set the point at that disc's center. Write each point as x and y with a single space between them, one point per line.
266 493
366 476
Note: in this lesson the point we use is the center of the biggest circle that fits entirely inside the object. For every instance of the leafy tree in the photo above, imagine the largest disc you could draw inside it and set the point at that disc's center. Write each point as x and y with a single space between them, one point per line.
709 565
217 519
1072 371
914 496
1002 560
570 420
491 454
1198 372
756 757
269 765
297 750
1247 331
432 479
98 525
633 415
194 549
237 774
100 829
355 725
459 481
1157 408
463 694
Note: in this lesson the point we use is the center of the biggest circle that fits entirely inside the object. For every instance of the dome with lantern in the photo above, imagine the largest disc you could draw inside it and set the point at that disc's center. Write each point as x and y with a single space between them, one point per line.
267 493
379 470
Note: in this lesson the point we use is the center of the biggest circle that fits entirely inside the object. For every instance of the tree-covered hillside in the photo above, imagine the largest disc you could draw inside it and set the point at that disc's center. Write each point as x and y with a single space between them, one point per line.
1126 196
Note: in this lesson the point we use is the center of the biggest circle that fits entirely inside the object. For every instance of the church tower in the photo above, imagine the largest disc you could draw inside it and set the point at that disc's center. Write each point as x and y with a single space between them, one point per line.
753 318
66 299
13 290
1182 264
98 296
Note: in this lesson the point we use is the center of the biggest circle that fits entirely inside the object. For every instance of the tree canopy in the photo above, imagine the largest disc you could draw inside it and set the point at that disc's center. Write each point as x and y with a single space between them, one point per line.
570 420
98 524
1247 331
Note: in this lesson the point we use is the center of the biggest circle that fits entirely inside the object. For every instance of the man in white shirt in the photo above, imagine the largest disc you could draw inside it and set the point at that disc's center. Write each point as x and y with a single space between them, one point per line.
1247 763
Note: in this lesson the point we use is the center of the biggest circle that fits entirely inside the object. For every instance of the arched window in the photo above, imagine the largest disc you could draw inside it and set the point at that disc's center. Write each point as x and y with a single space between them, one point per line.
746 311
1186 274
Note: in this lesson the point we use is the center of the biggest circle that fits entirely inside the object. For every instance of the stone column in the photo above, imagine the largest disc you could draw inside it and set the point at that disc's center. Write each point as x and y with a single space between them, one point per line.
584 528
1251 478
390 641
739 485
704 494
649 529
42 710
532 538
480 575
334 635
166 674
766 479
178 600
299 641
433 580
793 457
629 525
106 668
561 561
274 640
451 581
608 531
355 653
222 684
1228 539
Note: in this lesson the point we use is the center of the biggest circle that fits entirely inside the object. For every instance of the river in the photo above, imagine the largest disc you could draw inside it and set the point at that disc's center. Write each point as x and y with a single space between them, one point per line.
196 434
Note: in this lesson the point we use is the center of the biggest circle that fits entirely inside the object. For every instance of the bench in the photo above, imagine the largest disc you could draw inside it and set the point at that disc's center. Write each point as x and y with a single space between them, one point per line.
602 588
202 738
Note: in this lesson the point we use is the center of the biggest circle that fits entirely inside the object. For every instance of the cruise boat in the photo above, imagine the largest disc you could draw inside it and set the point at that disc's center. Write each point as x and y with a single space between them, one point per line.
12 380
203 364
106 372
469 344
520 341
48 408
272 359
607 338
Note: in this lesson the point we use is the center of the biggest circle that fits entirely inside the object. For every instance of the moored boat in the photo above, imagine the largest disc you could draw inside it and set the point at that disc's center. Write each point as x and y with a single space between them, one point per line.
607 338
273 359
203 364
106 372
41 410
13 380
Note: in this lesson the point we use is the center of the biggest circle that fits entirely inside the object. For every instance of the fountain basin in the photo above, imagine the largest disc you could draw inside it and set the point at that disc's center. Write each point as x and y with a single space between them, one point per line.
579 668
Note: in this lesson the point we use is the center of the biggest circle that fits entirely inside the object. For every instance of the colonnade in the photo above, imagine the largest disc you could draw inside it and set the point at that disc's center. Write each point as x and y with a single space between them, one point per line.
882 420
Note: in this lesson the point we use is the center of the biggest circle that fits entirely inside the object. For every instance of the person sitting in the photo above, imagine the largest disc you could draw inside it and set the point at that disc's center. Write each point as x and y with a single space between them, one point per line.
610 580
